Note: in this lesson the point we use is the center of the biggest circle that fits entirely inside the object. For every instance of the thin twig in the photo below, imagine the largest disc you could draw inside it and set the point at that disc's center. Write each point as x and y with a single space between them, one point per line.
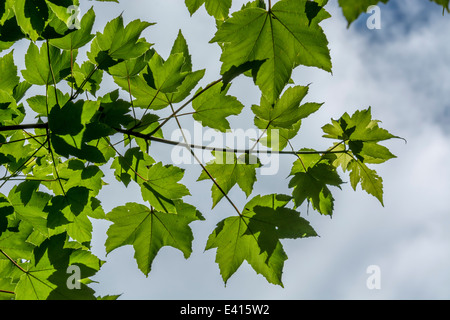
174 113
15 263
204 168
194 146
24 127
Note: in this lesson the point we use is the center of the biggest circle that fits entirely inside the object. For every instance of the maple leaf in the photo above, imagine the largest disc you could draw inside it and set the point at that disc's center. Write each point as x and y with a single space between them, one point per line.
286 36
214 106
255 235
149 230
229 170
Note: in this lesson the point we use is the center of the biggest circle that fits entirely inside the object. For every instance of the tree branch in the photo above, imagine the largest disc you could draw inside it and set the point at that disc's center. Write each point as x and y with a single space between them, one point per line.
6 291
24 127
184 105
194 146
13 262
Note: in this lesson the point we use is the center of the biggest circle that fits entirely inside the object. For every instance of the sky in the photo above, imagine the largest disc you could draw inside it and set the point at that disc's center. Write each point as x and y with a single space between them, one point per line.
401 71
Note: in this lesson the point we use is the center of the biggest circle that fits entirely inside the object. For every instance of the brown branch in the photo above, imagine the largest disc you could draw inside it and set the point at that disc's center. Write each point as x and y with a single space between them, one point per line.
6 291
15 263
184 105
194 146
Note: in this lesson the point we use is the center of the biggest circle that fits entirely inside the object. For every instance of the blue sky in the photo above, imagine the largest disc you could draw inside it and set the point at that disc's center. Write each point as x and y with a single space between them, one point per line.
402 72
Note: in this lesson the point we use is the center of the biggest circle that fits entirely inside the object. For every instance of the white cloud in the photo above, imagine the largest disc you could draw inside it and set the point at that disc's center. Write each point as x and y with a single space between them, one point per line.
404 77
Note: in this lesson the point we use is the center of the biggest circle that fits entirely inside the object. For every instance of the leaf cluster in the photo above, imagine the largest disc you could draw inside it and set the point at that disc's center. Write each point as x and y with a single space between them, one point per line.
55 166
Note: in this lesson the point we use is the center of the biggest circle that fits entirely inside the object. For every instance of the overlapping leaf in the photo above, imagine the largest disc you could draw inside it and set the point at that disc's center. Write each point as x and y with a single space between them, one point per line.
118 43
219 9
38 70
162 189
214 106
361 134
286 36
79 37
46 273
155 82
312 176
255 235
229 170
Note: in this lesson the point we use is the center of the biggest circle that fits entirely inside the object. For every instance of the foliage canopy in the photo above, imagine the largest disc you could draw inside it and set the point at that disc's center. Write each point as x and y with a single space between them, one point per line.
55 166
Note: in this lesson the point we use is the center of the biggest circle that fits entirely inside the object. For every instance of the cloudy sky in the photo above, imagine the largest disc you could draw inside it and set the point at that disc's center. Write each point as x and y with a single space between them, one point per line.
402 72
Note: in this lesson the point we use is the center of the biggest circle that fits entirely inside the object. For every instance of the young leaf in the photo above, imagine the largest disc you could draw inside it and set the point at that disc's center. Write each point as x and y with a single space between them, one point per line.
171 86
132 166
286 111
228 170
255 237
361 134
79 37
118 43
149 230
370 181
161 188
311 177
29 204
214 106
37 65
167 75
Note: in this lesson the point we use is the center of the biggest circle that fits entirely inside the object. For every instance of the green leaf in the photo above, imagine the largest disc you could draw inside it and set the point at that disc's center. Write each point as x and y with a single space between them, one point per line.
167 76
286 112
132 166
9 79
131 67
87 71
312 174
10 32
352 9
38 68
228 170
214 106
14 240
370 181
161 188
10 113
31 16
287 36
149 230
180 46
40 104
361 134
29 204
80 37
217 8
47 273
118 43
255 235
181 80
